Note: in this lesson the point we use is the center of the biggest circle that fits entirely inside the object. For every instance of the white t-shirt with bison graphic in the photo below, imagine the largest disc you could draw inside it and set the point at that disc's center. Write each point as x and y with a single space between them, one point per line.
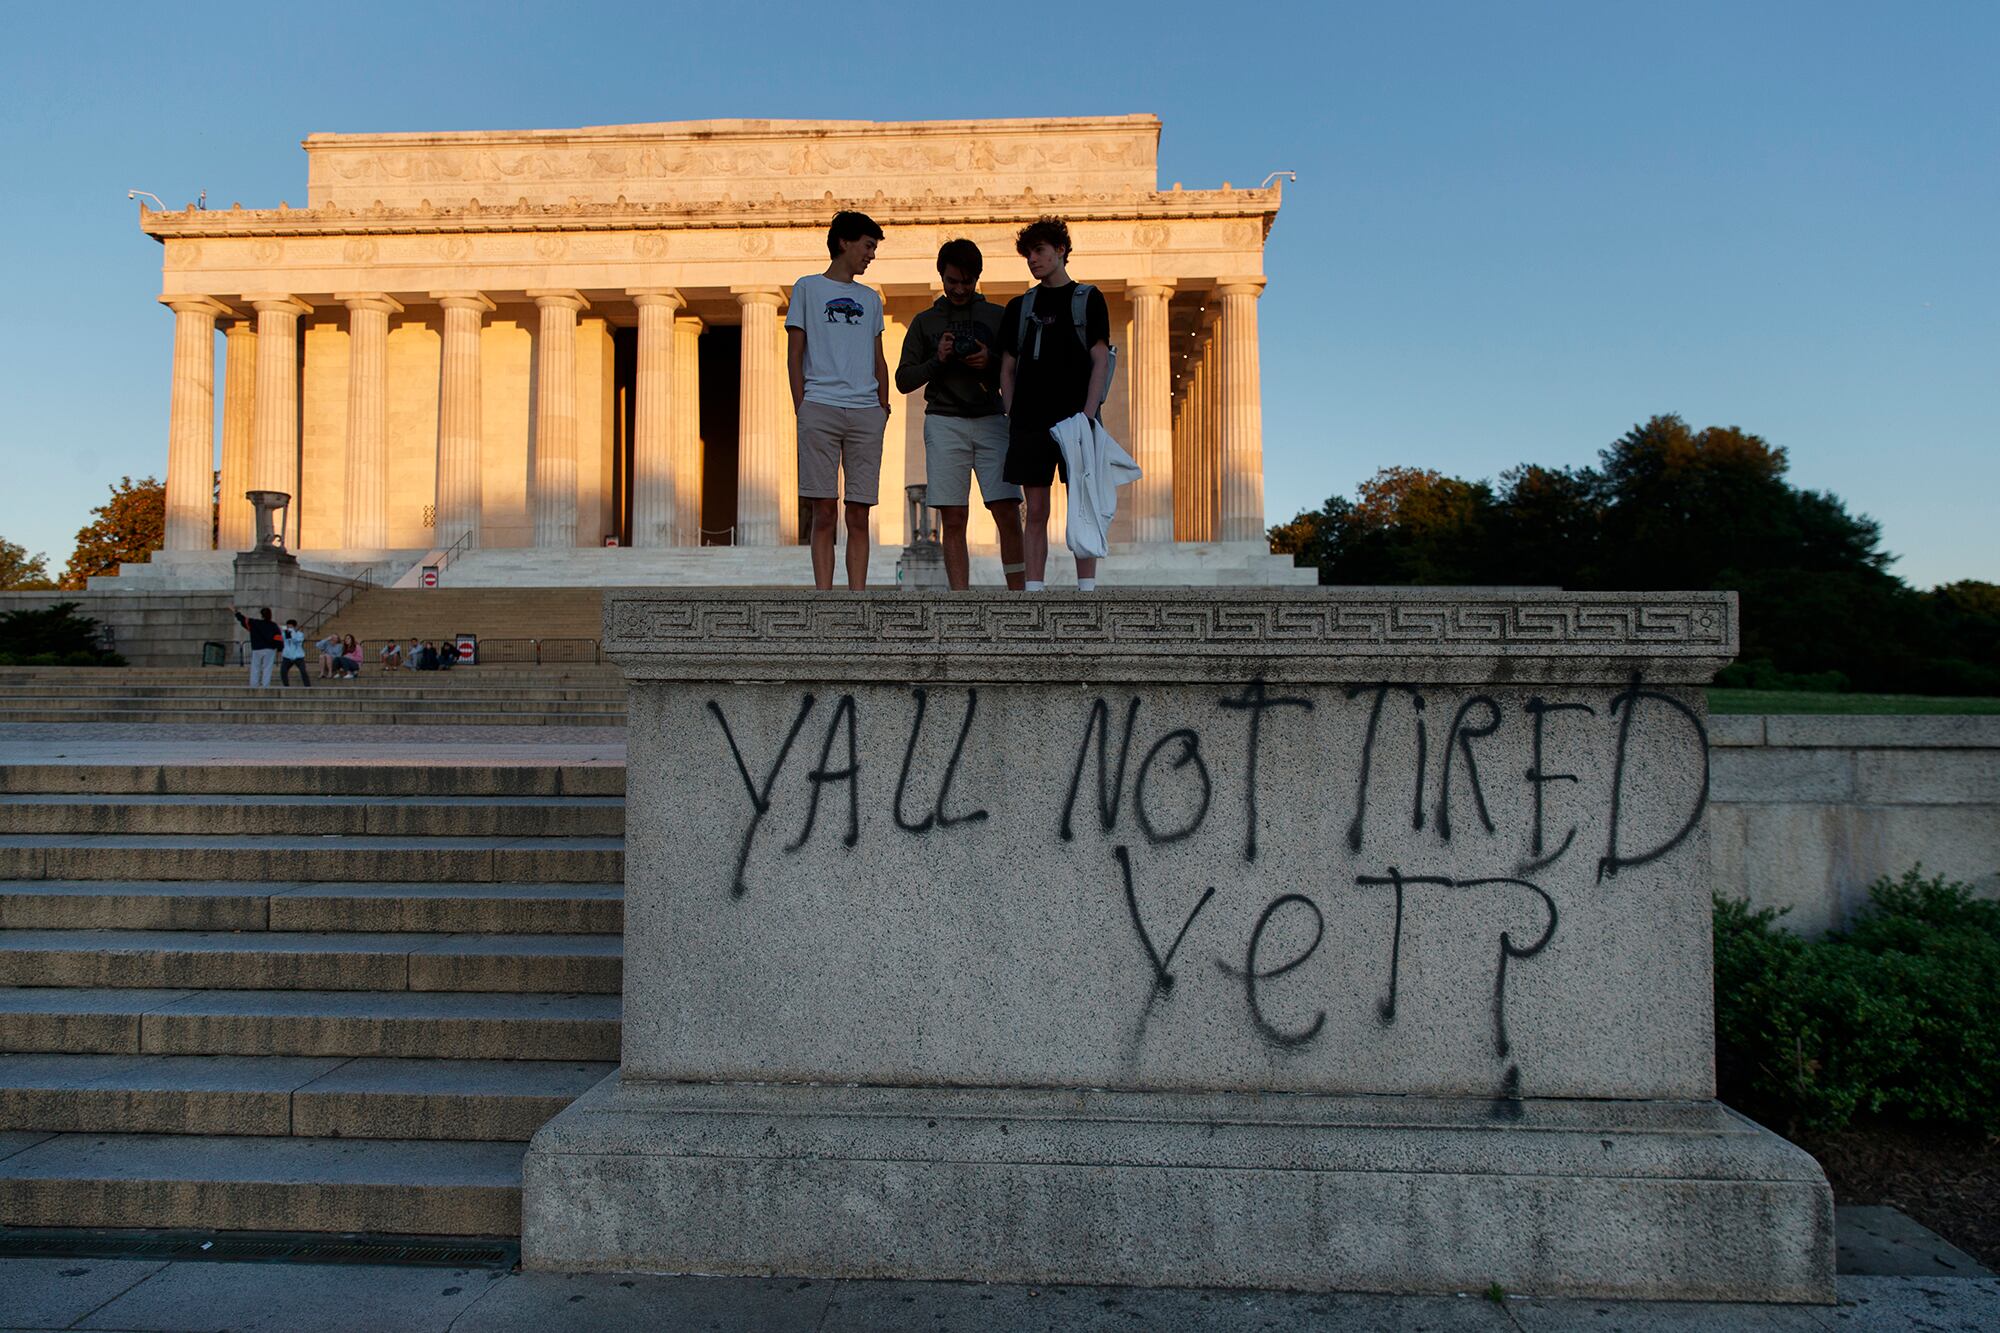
841 321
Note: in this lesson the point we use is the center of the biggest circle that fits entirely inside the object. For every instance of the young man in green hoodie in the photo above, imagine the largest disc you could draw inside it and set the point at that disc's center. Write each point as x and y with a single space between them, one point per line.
952 352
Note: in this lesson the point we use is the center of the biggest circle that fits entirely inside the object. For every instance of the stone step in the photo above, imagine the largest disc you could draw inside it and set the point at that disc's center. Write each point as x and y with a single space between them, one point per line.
534 909
294 699
430 816
241 1182
344 857
311 717
234 686
365 702
279 960
320 779
415 1024
485 674
312 1097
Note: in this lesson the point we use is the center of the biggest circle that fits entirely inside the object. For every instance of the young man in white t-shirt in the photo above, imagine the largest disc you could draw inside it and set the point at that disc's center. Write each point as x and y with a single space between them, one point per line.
840 386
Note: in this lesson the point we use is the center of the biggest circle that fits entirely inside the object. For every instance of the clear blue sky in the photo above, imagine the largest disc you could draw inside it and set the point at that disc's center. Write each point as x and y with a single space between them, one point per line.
1518 229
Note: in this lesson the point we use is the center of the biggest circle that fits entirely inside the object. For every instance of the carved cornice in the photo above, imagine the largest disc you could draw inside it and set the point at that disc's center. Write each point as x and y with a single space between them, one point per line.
378 301
198 305
1304 635
277 303
735 131
621 215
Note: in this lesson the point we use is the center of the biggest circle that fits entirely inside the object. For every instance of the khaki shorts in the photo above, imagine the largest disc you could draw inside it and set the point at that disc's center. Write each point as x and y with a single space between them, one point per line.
955 448
836 440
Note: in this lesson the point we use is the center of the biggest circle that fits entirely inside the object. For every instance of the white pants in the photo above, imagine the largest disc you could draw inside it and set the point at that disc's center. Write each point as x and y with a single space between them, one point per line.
260 666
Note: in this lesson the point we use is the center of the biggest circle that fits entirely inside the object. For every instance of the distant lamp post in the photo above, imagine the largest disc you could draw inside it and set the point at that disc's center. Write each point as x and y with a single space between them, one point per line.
158 205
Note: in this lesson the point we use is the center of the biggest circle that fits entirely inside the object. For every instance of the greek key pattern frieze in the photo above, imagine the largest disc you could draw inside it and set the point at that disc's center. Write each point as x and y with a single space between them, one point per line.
1170 623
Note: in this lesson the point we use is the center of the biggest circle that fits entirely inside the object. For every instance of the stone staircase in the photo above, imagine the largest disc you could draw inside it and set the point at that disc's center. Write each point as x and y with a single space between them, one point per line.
570 695
1173 564
299 999
509 616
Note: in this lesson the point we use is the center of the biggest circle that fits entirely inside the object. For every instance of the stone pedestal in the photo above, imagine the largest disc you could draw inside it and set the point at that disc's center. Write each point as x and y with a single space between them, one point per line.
1311 939
267 576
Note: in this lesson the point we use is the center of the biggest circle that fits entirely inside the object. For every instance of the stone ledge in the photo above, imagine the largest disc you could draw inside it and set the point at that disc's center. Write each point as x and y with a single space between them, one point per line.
1631 1199
1884 732
1165 635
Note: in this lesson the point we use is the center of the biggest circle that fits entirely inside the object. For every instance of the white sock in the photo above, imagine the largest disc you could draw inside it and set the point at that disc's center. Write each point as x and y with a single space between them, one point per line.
1086 585
1034 585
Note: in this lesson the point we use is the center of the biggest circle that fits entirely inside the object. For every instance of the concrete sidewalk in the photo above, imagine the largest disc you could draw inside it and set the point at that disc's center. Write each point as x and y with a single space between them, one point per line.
109 1294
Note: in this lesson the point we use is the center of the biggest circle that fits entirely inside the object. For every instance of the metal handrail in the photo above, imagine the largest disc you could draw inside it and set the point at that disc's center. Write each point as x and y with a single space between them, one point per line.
341 597
464 540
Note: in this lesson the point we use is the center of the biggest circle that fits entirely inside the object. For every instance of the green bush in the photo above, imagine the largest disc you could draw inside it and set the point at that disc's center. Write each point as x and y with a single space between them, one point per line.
53 636
1897 1018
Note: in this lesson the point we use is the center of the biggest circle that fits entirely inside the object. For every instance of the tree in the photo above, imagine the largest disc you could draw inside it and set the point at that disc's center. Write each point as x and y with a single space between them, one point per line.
1406 525
1546 526
1670 507
127 528
20 571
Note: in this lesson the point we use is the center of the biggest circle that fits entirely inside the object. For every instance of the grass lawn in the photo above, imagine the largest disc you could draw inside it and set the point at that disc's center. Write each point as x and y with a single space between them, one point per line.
1799 701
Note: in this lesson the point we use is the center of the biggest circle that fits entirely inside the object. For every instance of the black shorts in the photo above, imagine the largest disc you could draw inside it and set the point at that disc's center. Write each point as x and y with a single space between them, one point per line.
1033 459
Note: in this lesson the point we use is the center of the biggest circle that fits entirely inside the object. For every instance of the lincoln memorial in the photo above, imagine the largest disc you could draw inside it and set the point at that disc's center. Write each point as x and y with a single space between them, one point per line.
510 351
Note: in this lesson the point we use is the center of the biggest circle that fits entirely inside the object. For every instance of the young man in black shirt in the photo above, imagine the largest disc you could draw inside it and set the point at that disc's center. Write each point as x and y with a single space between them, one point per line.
952 353
265 637
1059 369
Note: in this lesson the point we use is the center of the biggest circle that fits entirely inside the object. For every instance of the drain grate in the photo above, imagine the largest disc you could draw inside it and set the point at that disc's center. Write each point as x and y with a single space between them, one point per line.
258 1247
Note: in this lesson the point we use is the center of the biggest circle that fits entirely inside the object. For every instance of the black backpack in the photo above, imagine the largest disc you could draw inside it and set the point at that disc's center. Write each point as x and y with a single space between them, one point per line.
1079 305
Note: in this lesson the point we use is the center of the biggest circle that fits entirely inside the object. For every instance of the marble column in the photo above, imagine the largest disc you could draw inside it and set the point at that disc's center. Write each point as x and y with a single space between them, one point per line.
1184 471
788 442
366 525
758 484
191 425
687 459
458 463
1195 429
554 479
654 481
237 519
1152 404
1212 372
885 520
274 441
1242 413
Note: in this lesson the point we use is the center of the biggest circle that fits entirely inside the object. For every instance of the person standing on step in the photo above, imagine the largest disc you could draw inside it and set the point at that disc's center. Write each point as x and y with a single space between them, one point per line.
1055 344
952 353
293 651
840 388
265 636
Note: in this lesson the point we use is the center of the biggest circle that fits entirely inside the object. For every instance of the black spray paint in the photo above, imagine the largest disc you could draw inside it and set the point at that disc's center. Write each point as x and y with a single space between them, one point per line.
1254 700
760 797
